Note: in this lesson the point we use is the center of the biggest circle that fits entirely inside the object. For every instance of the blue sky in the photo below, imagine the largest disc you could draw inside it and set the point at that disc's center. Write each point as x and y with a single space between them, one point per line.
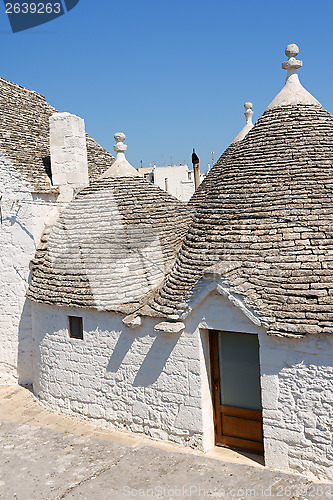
171 74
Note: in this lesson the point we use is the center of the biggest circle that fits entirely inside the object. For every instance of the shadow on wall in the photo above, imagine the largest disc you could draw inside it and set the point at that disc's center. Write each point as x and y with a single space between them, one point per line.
24 360
119 352
155 359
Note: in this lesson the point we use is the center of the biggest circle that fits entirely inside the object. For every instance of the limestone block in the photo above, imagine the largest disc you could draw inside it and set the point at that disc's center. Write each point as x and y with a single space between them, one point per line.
276 454
132 321
170 327
189 418
270 391
69 163
140 410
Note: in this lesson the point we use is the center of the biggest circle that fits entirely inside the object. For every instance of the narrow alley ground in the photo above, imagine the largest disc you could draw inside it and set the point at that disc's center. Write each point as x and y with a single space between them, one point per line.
51 457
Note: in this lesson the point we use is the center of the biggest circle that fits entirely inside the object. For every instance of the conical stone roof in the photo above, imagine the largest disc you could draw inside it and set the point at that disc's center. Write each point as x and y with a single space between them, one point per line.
112 245
208 183
25 137
265 232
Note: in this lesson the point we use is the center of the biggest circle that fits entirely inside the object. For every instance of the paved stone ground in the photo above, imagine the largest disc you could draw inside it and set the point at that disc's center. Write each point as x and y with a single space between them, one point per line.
50 457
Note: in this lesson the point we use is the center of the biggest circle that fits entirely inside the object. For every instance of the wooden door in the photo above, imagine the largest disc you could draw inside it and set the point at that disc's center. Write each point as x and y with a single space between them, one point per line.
236 390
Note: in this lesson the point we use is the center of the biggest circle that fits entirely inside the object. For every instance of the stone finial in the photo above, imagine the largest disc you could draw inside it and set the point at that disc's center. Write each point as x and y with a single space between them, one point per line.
293 92
120 147
121 167
291 52
248 112
247 127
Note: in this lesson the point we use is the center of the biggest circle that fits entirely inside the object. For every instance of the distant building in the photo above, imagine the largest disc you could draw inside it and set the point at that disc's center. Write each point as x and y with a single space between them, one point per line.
177 180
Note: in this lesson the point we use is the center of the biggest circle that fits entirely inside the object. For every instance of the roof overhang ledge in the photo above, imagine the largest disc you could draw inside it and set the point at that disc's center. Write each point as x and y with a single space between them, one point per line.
215 280
170 327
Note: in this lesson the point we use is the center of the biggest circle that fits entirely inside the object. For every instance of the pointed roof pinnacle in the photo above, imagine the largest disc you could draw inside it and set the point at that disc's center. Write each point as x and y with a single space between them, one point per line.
119 137
293 92
248 116
248 112
292 64
121 167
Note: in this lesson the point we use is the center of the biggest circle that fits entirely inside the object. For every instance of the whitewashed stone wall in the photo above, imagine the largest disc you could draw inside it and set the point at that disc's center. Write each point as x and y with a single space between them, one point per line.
179 184
22 223
146 382
137 380
177 180
297 390
159 383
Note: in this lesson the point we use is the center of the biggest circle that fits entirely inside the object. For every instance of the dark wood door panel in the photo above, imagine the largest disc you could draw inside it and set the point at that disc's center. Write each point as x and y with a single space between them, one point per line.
233 411
240 444
242 428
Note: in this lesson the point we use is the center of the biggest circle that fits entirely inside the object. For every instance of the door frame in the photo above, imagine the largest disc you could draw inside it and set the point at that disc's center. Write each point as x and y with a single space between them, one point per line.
220 411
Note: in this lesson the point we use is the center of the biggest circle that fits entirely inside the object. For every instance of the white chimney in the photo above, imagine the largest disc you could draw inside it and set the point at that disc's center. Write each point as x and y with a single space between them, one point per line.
69 163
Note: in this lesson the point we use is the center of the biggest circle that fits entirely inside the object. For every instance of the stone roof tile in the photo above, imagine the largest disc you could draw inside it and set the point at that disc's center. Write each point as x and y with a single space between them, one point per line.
269 209
24 137
111 246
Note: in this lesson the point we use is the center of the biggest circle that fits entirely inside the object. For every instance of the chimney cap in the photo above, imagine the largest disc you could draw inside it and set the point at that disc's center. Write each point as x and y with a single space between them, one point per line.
195 158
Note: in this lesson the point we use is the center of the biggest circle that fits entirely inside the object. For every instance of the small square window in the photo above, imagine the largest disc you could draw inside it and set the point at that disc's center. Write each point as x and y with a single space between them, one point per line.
75 327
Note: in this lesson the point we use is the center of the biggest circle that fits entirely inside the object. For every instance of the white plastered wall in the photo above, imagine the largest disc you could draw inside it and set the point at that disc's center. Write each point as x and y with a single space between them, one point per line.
141 380
297 390
159 383
22 224
178 182
138 380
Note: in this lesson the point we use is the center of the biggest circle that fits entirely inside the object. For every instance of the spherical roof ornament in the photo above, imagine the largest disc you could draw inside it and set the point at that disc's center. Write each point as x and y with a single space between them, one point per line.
292 50
293 92
119 137
292 65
